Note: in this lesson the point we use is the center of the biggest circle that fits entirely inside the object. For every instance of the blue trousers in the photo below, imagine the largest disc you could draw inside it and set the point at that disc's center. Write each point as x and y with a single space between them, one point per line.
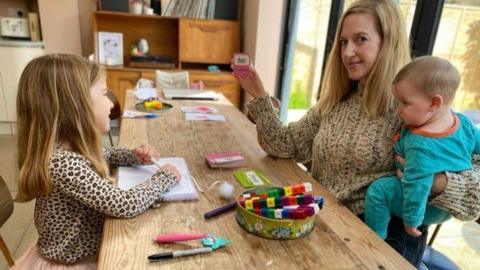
384 198
409 247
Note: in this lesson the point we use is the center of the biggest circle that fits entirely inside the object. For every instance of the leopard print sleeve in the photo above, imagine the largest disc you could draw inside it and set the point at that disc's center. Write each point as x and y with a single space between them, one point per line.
119 156
73 175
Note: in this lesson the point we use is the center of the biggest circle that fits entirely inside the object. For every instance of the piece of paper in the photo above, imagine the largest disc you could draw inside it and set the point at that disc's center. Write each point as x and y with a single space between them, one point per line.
170 93
129 177
204 117
198 109
145 93
250 178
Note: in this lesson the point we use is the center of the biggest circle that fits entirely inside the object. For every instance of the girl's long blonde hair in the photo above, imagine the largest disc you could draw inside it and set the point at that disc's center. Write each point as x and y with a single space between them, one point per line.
393 55
54 108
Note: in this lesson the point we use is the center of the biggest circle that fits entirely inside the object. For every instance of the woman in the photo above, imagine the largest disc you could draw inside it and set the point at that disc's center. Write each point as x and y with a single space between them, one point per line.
347 134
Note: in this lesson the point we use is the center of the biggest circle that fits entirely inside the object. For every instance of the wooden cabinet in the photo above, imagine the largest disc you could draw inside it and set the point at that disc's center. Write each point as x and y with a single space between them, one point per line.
203 41
192 44
119 80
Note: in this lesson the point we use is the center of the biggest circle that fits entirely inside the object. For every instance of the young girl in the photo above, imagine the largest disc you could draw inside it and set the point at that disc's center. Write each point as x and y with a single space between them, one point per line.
62 109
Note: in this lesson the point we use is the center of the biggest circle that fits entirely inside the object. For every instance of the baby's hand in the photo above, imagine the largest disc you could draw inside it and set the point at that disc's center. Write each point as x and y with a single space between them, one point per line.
145 153
400 160
412 231
172 169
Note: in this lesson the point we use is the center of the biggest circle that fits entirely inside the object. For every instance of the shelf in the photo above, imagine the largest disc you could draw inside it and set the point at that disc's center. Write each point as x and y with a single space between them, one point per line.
20 43
125 15
152 17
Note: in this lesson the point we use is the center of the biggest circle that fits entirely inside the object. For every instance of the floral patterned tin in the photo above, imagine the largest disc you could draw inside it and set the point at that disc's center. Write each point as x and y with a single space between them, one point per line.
273 228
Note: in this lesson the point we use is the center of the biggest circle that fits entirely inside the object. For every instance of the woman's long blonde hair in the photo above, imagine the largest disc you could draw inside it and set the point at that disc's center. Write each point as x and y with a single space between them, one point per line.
393 55
54 108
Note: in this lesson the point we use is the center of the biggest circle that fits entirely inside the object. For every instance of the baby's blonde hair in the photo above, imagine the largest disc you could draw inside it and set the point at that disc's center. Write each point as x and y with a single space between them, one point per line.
393 55
432 75
54 108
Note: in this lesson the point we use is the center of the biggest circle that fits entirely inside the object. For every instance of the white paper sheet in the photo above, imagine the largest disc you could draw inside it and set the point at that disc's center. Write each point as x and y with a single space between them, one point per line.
145 93
129 177
198 109
204 117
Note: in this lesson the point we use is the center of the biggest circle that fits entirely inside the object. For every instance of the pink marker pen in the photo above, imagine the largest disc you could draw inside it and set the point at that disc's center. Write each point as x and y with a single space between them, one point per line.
178 237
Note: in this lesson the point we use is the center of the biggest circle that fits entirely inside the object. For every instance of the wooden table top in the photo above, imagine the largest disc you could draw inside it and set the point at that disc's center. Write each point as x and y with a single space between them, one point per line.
339 240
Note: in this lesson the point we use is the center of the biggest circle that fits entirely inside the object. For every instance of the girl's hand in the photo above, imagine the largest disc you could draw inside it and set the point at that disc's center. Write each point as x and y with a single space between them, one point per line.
412 231
251 83
145 153
172 169
439 182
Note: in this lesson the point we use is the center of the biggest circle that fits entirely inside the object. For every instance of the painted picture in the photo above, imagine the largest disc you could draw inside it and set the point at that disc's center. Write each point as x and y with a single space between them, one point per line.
110 48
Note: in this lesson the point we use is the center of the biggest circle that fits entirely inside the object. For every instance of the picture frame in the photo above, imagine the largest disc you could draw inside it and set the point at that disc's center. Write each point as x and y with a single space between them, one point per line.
110 48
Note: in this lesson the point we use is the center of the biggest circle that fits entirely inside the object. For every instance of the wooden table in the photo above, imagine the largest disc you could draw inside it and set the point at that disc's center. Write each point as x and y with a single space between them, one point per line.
339 240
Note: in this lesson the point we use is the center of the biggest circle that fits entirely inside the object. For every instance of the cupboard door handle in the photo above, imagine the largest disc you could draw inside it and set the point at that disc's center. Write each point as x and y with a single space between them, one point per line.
208 28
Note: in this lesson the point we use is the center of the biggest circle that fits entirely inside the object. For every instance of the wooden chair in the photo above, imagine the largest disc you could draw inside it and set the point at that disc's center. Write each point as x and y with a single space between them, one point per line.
115 113
6 209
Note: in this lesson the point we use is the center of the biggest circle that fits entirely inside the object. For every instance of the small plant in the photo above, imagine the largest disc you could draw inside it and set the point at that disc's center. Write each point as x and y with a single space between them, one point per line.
298 98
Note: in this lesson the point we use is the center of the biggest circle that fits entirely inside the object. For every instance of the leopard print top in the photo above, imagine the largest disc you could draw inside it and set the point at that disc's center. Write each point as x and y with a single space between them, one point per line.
69 220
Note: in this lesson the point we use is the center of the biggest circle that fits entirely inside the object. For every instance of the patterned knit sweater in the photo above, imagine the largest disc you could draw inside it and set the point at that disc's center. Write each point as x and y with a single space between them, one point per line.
69 220
348 151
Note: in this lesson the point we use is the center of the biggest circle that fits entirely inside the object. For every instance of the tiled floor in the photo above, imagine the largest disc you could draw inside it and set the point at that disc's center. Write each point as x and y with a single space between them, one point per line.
457 240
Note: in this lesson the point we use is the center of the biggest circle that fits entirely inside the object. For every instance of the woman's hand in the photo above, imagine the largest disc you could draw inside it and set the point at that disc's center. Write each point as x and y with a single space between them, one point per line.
251 83
439 182
412 231
145 153
172 169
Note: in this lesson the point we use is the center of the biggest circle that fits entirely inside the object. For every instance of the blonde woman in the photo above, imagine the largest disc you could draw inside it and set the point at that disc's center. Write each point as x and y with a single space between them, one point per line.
62 108
347 134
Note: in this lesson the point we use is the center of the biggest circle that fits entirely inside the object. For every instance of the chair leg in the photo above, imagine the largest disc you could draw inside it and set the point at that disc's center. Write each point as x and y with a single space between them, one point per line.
6 252
110 137
434 235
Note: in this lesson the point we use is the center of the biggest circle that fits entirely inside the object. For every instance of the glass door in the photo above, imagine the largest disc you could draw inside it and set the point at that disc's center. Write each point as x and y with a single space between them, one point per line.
308 56
458 40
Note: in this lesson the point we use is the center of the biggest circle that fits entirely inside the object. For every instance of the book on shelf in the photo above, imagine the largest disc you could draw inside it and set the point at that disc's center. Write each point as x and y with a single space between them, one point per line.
202 9
34 26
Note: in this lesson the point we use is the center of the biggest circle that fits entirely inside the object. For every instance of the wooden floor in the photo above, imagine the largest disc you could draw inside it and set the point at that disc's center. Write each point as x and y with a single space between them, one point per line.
457 240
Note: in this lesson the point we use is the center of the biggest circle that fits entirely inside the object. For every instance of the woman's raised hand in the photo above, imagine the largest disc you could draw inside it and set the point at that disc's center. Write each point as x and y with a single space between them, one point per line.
251 83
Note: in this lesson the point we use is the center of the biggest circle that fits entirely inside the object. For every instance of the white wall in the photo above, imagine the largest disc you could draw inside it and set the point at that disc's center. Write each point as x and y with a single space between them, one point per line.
60 25
13 61
262 22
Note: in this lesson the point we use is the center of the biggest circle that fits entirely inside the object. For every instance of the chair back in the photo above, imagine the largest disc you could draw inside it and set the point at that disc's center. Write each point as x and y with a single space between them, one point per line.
6 202
116 111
